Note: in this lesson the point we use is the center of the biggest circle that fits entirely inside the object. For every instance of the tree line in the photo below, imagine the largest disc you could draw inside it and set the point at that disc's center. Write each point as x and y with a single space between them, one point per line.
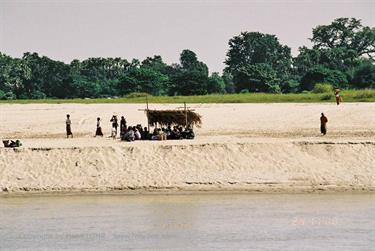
342 55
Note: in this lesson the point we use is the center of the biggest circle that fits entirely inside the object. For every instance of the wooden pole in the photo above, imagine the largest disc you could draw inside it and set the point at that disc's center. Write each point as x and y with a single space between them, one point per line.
186 120
148 122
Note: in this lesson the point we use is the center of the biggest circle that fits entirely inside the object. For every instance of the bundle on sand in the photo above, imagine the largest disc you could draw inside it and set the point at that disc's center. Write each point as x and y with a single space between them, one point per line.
173 117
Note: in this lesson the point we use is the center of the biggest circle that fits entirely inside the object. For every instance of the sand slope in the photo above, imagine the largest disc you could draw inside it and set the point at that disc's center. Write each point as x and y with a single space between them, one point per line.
253 166
257 147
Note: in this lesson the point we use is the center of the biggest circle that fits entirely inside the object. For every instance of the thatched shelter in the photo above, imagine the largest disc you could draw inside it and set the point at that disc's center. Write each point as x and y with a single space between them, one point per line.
173 117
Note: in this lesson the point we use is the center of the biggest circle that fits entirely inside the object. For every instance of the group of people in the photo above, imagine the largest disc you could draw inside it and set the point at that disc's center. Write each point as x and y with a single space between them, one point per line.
132 133
138 132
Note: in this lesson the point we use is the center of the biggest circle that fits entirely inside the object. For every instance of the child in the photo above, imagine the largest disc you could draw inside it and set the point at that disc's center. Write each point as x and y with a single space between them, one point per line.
114 132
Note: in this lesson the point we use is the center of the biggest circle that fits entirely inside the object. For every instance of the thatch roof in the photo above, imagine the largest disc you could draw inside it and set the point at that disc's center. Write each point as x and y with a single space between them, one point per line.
173 117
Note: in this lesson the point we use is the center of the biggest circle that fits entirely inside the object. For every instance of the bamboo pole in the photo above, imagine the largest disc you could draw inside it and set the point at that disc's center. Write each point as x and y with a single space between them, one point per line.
148 122
186 119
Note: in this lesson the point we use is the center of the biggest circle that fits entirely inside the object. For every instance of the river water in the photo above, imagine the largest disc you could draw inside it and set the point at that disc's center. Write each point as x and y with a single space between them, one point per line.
189 222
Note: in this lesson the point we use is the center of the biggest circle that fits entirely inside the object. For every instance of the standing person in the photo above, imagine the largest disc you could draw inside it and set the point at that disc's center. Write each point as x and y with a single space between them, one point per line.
338 96
323 124
122 126
68 126
99 131
114 126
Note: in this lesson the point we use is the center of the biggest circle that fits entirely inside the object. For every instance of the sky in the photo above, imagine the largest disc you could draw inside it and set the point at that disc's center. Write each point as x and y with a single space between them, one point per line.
78 29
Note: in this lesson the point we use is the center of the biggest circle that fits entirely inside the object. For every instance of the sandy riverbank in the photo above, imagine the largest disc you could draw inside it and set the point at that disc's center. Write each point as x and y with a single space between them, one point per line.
253 147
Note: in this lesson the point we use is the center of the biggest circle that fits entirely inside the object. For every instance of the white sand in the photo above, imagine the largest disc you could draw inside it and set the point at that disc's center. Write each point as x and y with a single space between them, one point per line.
256 147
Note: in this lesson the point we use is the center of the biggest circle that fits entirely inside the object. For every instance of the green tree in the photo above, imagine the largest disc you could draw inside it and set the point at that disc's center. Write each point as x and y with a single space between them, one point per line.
189 83
189 62
289 86
257 78
347 33
257 60
144 79
155 63
13 75
190 77
364 76
47 76
228 81
215 84
250 48
340 46
321 74
83 88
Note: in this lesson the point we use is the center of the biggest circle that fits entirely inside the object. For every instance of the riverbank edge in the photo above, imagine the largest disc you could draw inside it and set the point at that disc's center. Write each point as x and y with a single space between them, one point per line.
188 191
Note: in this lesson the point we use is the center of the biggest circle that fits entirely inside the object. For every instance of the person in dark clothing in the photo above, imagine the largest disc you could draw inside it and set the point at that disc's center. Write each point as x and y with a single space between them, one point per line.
145 134
189 133
68 126
99 131
175 134
122 126
323 124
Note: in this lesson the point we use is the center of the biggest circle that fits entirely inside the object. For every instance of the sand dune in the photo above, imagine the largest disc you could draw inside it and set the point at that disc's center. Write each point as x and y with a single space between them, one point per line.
255 147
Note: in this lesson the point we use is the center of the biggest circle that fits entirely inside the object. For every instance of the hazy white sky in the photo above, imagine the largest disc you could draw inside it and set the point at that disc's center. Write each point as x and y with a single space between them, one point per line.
68 29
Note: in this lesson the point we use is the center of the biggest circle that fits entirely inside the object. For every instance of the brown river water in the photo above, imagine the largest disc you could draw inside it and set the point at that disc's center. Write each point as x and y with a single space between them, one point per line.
188 222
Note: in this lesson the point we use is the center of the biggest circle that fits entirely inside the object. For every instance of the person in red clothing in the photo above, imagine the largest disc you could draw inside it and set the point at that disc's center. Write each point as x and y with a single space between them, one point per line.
338 96
323 124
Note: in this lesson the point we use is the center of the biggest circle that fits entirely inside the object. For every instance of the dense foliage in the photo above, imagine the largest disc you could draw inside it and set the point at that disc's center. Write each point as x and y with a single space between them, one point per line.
342 55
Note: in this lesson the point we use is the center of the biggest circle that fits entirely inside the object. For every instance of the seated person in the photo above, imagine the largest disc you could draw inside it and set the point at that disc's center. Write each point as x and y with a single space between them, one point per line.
169 129
165 133
189 133
155 134
129 135
175 134
160 135
123 132
137 134
145 134
139 127
183 132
